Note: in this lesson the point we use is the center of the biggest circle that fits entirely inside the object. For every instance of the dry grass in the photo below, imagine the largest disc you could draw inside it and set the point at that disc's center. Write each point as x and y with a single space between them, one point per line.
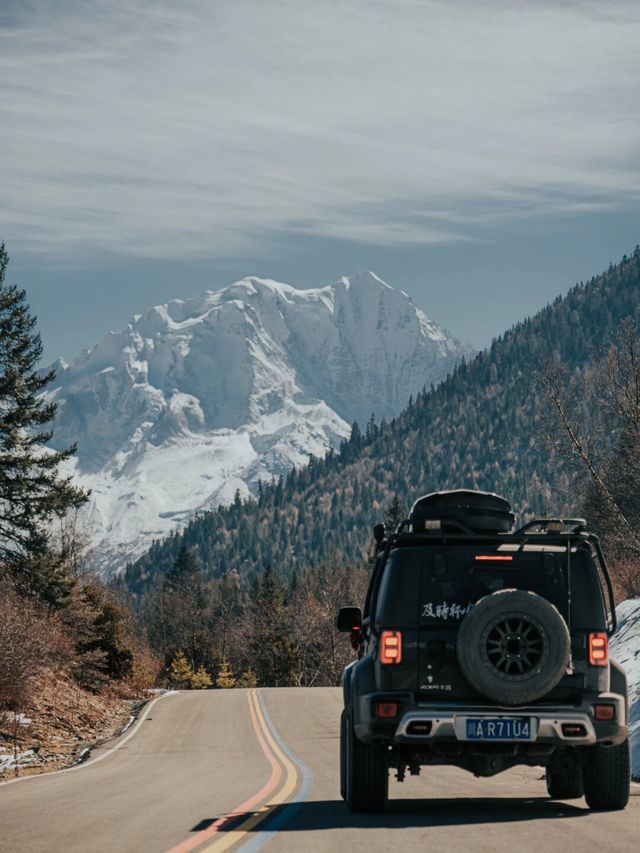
625 575
65 721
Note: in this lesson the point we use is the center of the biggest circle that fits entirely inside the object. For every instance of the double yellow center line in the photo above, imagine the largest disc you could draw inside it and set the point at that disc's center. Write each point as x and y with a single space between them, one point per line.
281 785
236 835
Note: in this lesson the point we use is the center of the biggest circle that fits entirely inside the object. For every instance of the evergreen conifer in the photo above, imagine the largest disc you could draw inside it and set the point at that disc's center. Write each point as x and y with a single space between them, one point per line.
247 679
273 650
394 514
201 680
226 678
182 571
180 671
32 492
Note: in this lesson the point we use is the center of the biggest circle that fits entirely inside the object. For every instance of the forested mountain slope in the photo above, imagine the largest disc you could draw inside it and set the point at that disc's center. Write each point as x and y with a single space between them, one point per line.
478 429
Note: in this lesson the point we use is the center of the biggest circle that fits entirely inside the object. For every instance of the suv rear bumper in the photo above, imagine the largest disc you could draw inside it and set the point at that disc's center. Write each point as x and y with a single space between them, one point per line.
446 722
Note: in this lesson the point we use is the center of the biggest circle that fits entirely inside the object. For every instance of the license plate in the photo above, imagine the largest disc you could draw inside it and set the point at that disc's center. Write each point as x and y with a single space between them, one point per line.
499 728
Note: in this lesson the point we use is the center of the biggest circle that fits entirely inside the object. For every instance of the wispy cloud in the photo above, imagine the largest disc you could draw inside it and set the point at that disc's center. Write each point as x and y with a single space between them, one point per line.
195 128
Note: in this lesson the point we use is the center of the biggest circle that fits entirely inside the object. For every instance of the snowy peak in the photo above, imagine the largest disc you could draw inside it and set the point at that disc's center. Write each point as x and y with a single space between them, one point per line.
199 397
358 344
363 280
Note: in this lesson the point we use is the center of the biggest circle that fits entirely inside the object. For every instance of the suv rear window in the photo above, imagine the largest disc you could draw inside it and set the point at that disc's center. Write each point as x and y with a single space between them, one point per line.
438 586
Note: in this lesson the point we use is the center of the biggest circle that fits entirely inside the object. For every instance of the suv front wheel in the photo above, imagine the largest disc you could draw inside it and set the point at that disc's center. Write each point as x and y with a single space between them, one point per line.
607 777
364 771
565 780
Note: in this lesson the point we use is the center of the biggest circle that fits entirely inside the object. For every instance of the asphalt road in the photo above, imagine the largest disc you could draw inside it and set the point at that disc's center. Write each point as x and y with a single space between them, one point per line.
238 769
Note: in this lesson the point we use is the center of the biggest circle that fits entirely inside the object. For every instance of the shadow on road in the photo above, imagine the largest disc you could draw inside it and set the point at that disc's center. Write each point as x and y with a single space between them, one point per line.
333 814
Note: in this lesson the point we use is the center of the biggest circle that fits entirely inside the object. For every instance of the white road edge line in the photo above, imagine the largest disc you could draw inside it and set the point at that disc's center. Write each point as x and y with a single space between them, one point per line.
81 765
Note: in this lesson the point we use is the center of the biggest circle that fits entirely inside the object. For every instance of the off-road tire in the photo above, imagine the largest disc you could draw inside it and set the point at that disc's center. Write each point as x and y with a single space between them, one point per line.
565 781
343 758
366 773
513 647
607 777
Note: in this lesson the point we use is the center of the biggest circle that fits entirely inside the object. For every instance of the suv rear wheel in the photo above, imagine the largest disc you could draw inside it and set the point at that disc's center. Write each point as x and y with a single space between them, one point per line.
564 781
607 777
366 771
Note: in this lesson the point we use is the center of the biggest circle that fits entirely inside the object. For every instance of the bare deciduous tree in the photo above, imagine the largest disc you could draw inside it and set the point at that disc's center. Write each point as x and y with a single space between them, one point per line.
30 640
594 431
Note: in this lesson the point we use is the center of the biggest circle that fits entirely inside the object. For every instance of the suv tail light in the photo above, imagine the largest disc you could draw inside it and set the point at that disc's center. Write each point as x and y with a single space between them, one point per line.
390 647
386 710
604 712
598 649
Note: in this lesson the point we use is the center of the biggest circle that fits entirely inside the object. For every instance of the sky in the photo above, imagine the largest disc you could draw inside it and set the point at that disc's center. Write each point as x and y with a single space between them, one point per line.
482 157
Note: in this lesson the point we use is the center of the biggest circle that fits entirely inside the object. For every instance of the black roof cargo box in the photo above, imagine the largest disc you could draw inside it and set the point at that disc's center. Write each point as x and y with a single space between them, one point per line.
479 512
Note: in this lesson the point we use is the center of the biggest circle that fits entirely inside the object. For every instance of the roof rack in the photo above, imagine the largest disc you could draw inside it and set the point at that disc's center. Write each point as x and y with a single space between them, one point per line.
538 526
553 525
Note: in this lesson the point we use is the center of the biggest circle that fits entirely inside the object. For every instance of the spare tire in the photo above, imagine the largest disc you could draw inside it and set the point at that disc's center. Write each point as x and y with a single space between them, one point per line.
513 647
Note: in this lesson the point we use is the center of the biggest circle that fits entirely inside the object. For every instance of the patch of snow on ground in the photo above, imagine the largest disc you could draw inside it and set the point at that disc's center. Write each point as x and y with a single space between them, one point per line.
625 648
21 719
10 762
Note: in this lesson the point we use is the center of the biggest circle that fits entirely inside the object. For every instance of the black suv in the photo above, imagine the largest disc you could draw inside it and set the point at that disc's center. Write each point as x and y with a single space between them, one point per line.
484 648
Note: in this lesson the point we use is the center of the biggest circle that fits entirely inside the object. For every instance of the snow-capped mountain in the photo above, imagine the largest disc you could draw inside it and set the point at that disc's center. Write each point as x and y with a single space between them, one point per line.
198 398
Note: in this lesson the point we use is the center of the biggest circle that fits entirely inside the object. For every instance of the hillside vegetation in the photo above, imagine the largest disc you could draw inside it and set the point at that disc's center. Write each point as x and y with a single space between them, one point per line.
72 658
480 428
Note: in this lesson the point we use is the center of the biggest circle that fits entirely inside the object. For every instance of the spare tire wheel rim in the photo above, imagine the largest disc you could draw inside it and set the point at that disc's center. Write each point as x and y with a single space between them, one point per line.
514 646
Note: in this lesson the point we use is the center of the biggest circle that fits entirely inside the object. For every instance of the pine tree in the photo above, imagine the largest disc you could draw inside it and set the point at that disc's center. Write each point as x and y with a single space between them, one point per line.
247 679
274 652
110 634
184 611
88 661
180 672
182 571
394 514
31 491
201 680
372 428
226 678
